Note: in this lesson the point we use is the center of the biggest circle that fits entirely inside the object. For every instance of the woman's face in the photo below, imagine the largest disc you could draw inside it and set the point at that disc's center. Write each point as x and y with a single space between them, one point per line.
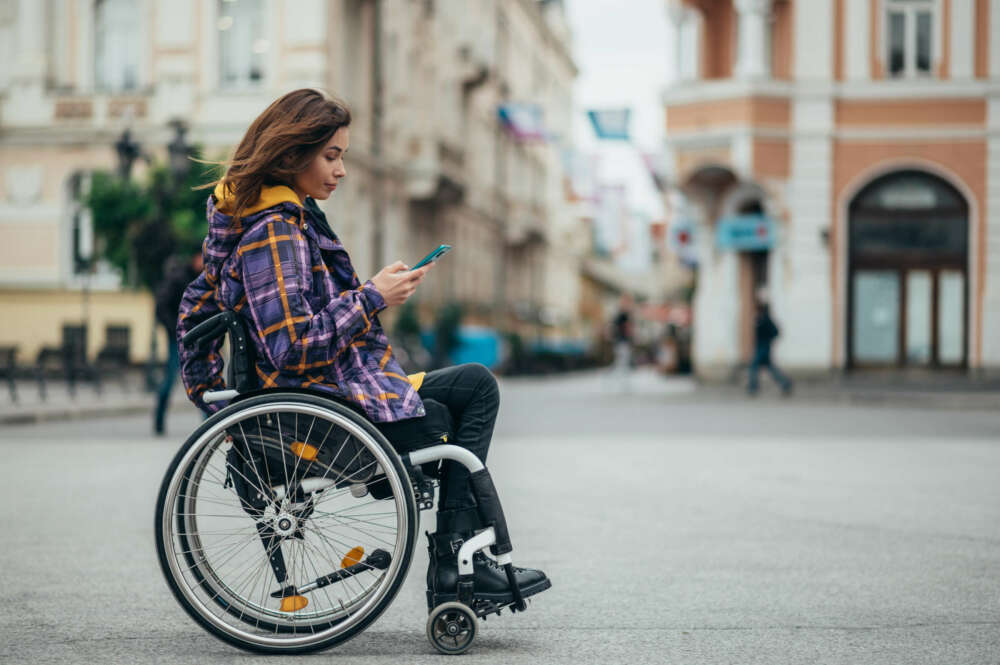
324 172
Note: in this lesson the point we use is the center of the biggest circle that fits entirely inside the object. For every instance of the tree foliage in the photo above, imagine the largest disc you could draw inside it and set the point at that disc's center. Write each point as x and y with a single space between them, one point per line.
138 225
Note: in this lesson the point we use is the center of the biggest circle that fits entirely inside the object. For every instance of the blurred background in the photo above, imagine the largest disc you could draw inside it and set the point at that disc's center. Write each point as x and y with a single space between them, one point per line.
837 161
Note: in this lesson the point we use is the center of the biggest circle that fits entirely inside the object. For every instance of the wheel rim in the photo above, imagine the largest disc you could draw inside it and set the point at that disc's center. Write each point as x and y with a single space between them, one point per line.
217 558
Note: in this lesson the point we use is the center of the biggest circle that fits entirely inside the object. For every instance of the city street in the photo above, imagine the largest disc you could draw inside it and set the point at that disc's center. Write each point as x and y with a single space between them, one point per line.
678 526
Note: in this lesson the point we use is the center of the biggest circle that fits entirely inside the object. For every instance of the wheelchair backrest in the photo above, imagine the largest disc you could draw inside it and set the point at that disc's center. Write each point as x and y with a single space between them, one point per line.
241 373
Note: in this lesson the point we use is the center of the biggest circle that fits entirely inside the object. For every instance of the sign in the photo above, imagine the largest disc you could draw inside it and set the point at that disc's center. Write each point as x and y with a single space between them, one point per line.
745 232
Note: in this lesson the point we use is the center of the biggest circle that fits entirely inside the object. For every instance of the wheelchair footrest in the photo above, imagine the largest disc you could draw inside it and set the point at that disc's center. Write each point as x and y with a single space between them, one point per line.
481 606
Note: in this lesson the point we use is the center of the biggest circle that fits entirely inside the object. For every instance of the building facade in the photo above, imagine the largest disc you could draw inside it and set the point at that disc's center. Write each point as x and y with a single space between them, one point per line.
431 159
840 159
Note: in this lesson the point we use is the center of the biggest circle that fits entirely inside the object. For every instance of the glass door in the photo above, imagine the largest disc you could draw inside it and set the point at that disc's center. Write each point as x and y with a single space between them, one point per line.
951 317
919 306
876 317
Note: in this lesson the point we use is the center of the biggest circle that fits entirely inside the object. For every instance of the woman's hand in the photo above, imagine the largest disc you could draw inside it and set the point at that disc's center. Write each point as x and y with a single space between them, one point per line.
397 282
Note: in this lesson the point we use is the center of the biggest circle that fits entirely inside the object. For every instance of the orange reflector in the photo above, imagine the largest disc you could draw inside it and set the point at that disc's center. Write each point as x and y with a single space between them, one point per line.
352 557
304 450
293 603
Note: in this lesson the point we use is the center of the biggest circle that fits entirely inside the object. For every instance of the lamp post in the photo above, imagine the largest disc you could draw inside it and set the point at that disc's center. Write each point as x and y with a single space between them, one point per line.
179 151
128 151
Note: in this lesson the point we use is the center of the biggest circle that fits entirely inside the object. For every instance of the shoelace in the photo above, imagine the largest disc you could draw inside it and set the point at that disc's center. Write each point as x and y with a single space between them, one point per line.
479 557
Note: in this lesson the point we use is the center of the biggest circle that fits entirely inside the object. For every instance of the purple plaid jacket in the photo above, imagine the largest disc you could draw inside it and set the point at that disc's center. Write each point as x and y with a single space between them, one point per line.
314 324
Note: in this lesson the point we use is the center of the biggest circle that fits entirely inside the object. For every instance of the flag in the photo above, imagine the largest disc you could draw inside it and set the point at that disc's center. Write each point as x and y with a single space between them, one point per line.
610 124
523 121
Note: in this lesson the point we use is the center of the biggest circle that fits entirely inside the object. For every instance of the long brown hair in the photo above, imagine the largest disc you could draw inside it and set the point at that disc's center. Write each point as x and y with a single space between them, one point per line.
280 143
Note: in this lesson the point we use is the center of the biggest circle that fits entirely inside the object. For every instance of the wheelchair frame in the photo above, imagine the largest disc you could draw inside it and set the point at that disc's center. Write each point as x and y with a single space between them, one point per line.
451 627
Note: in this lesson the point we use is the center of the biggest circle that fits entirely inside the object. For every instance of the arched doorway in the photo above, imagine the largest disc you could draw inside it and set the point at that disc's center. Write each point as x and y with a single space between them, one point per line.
908 244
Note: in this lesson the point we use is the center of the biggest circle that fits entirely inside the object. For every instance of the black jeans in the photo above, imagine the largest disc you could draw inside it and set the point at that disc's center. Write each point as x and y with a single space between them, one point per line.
472 399
170 373
762 358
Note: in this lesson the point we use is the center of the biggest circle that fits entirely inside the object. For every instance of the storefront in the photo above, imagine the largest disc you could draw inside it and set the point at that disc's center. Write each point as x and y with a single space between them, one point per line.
908 244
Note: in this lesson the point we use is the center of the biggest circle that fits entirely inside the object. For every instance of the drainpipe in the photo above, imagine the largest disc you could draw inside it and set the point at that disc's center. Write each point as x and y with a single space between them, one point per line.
377 172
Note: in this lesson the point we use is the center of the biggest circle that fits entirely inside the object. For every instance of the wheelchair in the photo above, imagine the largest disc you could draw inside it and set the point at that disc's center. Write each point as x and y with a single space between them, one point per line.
286 523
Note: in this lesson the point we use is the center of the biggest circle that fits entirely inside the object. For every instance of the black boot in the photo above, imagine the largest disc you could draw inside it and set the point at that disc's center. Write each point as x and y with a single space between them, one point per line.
490 579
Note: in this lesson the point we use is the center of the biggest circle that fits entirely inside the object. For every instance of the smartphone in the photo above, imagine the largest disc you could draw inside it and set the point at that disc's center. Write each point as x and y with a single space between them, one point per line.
433 256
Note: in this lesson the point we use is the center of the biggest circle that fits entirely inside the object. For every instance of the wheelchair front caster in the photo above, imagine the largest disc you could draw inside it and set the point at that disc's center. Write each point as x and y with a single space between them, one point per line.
451 628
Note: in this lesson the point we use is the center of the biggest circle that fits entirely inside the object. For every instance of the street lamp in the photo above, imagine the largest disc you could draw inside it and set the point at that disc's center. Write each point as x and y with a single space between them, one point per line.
179 150
128 151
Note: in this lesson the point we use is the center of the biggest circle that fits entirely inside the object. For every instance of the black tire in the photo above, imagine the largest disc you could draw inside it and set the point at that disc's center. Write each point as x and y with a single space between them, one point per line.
211 600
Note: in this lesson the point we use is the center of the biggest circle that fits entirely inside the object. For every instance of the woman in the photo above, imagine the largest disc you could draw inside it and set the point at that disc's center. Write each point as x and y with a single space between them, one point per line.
271 256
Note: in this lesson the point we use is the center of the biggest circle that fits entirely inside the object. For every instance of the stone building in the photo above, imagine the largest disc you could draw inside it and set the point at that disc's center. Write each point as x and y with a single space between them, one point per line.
431 158
842 159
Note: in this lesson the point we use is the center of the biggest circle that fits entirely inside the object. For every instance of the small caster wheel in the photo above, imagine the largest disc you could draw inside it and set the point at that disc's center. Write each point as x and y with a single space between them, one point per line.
451 628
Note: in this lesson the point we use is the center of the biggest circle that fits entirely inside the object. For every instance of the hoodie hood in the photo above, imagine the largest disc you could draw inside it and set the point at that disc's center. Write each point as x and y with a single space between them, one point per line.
224 235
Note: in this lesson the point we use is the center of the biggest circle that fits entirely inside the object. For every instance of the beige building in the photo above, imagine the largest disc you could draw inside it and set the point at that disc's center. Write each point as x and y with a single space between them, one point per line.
430 159
843 158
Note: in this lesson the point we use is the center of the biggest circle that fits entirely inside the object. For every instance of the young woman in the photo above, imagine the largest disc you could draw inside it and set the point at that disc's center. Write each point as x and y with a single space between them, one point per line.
271 256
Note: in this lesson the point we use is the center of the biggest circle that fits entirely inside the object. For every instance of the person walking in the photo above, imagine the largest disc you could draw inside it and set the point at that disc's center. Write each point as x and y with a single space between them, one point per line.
622 334
179 270
272 257
765 332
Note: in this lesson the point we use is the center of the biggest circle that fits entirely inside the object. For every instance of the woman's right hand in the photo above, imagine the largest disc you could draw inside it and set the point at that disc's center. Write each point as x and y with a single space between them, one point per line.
397 282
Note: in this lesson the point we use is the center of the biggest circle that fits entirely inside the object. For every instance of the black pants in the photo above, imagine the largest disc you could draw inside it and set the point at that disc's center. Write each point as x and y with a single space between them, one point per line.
470 395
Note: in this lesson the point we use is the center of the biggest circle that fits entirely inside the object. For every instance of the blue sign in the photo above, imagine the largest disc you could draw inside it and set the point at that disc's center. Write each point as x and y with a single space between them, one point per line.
745 232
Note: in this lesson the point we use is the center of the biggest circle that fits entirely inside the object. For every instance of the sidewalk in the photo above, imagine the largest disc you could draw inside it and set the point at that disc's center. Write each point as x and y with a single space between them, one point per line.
916 389
929 391
933 391
113 400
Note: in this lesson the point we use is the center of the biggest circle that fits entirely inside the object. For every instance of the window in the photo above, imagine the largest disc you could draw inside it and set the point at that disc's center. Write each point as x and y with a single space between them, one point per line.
909 29
117 47
242 43
689 51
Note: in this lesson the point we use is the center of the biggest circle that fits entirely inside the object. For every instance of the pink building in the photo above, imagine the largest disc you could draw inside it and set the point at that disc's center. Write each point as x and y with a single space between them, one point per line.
842 159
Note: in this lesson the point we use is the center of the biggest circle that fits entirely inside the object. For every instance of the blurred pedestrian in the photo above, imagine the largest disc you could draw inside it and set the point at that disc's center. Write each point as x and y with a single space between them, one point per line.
178 271
765 332
622 333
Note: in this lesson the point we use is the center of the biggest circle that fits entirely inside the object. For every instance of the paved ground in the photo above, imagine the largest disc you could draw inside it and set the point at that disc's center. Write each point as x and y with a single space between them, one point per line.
676 528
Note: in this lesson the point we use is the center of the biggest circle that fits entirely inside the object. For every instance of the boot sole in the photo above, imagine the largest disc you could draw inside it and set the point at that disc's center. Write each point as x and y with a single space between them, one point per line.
506 598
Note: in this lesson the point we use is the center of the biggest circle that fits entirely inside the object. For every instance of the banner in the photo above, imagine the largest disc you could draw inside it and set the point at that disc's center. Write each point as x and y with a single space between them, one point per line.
611 124
524 122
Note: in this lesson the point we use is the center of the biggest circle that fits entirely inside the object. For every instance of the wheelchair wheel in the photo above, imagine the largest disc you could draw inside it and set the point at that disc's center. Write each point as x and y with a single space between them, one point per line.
451 628
285 524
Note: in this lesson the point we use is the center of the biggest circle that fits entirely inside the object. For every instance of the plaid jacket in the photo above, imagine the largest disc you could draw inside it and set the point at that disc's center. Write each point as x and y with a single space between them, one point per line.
314 324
